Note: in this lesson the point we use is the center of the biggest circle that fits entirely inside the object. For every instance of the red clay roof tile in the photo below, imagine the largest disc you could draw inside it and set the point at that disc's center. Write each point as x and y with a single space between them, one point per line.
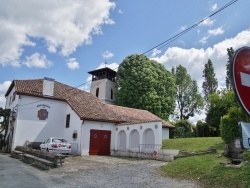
86 105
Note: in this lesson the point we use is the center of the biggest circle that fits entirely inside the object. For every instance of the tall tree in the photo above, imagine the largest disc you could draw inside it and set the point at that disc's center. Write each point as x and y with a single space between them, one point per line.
4 113
145 84
230 53
219 104
210 84
189 100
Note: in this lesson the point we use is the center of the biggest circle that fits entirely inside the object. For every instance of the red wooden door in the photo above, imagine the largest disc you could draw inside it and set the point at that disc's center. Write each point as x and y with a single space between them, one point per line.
99 142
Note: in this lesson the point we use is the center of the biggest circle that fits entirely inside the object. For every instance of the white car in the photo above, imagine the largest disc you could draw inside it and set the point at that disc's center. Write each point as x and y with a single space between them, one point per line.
56 145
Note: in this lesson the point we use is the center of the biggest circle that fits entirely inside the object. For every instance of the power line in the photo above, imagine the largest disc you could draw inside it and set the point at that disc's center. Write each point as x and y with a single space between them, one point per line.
166 42
159 46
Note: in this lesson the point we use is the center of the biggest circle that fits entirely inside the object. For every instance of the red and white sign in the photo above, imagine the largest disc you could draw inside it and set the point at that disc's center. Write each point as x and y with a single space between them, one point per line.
241 76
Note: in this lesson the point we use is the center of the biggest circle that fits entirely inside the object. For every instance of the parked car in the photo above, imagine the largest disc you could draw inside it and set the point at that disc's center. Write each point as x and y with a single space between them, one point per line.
56 145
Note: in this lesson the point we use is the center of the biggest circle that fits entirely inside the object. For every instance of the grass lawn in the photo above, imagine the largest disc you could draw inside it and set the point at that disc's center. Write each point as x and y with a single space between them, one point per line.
206 169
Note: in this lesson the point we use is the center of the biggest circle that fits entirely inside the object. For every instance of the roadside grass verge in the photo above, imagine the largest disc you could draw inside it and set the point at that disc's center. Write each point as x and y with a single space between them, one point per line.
207 169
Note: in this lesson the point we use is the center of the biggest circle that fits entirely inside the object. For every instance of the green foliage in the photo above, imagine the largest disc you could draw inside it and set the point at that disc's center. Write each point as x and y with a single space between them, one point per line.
207 169
188 99
218 105
230 53
204 129
210 84
183 129
145 84
5 113
229 123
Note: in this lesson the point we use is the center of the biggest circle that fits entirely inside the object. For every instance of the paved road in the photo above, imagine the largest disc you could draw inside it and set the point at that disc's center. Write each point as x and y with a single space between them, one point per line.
87 172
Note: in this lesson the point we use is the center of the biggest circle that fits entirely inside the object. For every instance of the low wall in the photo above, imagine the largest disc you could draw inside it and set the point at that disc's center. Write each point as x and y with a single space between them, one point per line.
164 155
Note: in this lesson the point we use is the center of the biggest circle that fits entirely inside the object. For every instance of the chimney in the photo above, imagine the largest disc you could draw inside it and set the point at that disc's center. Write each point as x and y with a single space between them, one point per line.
48 87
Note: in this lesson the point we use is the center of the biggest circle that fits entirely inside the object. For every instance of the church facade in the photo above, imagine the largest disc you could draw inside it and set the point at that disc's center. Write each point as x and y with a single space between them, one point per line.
43 108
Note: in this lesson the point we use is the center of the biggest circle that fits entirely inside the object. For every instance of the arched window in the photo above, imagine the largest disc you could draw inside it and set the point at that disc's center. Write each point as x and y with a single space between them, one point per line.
97 92
111 94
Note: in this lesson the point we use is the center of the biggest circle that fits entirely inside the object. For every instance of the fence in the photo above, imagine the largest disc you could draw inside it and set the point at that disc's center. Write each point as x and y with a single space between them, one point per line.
151 149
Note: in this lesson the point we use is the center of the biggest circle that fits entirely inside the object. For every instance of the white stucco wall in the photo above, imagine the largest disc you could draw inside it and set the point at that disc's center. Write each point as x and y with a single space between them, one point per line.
165 133
74 127
105 86
156 127
87 126
28 126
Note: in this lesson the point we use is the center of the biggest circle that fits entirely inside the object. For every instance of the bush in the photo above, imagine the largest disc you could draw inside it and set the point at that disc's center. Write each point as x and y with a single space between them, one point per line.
229 123
183 129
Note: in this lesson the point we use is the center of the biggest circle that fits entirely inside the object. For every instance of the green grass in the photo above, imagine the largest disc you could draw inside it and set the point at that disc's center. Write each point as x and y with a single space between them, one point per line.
194 144
207 169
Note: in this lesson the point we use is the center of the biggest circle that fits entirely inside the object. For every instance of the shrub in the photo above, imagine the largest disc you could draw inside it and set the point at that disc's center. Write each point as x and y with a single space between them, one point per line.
183 129
229 123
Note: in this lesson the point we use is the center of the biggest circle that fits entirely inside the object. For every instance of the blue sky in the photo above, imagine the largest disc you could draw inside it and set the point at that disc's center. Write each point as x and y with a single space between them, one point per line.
64 39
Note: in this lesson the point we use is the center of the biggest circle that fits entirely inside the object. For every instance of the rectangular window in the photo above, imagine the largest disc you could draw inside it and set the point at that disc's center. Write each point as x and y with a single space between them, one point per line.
14 96
67 120
10 101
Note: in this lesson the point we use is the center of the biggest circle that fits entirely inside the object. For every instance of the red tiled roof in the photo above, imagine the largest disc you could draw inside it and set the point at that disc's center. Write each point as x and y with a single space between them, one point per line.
133 116
86 105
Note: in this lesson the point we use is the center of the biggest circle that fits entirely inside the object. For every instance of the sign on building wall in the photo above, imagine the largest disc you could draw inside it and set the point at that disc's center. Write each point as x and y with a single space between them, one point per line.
42 114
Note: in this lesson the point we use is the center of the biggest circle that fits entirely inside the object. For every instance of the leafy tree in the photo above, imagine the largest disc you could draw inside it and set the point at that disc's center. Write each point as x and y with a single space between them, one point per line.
189 100
230 53
229 123
145 84
219 103
4 113
210 84
204 129
183 129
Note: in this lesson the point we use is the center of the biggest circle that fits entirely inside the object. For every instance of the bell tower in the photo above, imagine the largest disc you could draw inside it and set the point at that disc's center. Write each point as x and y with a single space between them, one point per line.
103 84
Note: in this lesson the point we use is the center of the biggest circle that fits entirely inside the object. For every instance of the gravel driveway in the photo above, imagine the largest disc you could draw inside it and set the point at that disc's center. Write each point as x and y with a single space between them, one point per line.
103 171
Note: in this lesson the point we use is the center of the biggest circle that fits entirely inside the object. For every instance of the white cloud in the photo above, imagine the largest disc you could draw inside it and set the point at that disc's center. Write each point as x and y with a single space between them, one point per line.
3 89
155 52
62 25
87 86
182 42
198 31
183 28
203 40
194 59
207 22
213 7
72 64
198 117
107 54
212 32
37 60
113 66
217 31
120 11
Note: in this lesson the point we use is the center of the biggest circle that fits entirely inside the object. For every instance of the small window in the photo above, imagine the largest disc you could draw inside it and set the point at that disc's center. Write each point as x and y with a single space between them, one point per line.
74 135
10 101
67 120
111 94
14 96
97 92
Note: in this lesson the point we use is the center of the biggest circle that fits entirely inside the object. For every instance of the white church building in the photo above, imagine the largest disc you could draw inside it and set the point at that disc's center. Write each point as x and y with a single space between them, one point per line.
43 108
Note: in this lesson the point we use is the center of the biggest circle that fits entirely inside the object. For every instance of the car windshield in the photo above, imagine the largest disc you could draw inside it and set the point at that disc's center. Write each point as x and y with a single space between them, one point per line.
59 140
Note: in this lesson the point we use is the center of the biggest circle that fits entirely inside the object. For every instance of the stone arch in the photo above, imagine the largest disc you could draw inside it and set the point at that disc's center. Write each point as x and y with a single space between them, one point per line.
148 136
134 139
122 140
